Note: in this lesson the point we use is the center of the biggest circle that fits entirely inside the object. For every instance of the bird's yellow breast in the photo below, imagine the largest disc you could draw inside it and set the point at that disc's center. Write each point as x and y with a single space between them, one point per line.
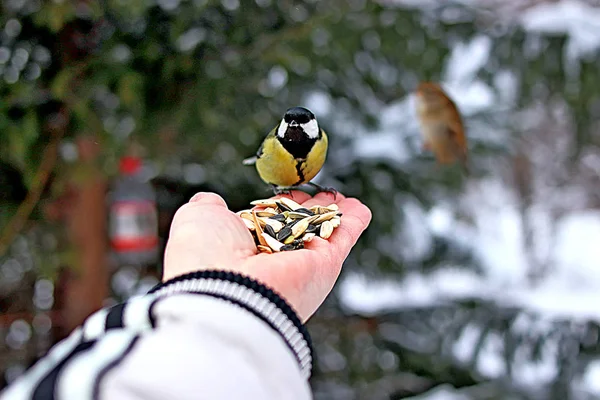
277 166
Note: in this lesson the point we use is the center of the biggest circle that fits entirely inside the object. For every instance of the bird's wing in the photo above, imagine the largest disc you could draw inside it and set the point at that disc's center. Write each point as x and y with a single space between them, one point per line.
456 127
252 160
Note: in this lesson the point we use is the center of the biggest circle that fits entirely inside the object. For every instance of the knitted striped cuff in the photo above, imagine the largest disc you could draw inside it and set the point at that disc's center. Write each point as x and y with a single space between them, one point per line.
255 298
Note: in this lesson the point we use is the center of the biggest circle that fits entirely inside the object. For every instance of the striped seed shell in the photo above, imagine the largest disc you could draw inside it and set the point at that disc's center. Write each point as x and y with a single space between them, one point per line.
295 245
276 225
269 231
284 233
305 211
300 227
264 203
259 231
272 242
311 229
246 214
325 217
282 207
290 203
264 249
278 217
267 212
326 230
298 215
319 209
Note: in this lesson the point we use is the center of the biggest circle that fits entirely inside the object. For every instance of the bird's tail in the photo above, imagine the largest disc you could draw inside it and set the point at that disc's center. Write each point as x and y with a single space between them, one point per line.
249 160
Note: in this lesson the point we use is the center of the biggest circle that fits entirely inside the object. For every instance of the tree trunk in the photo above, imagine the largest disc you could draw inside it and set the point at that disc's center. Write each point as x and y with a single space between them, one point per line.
87 286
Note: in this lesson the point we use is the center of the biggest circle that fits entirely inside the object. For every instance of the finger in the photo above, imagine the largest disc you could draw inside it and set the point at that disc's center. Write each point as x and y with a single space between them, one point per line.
355 219
297 195
207 198
323 199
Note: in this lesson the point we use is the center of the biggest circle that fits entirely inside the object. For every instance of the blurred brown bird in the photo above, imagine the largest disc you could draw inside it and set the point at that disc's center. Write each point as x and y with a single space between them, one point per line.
441 125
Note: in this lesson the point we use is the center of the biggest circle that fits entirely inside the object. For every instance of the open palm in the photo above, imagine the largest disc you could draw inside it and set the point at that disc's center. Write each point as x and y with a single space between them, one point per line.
206 235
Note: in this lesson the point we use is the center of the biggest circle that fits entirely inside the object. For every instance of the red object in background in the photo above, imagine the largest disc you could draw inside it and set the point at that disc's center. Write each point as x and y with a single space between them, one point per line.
130 165
133 224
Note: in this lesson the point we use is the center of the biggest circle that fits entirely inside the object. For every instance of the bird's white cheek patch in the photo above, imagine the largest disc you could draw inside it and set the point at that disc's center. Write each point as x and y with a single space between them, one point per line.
311 128
282 128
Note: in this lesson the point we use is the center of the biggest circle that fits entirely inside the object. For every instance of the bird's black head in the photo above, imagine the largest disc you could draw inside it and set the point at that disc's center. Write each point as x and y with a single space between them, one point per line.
298 131
300 115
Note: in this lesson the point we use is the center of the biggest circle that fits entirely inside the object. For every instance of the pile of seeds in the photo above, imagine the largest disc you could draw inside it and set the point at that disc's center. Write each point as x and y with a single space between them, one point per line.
283 225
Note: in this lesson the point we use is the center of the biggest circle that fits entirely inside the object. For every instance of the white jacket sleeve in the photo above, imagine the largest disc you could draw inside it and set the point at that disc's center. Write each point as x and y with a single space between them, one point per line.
205 335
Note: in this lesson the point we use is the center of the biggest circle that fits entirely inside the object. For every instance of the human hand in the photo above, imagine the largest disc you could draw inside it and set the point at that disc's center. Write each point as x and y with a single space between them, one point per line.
206 235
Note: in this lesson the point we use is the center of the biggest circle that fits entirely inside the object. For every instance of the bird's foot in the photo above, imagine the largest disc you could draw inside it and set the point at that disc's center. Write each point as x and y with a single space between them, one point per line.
323 189
281 190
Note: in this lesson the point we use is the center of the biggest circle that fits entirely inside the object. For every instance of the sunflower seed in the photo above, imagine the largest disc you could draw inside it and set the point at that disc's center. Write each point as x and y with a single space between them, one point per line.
267 212
246 214
264 203
292 222
295 245
298 215
325 217
283 207
308 237
278 217
264 249
305 211
249 224
275 225
312 228
259 231
319 209
284 225
289 239
326 230
336 221
272 242
284 233
269 230
291 204
300 227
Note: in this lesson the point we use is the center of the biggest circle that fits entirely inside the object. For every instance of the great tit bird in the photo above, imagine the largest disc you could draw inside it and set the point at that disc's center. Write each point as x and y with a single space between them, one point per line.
441 125
292 153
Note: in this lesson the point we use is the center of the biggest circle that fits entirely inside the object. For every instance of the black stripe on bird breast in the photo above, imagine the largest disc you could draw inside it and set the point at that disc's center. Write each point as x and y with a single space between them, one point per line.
300 172
297 147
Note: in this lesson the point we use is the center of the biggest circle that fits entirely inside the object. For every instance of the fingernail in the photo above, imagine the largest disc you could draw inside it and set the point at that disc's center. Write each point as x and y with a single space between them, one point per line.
208 198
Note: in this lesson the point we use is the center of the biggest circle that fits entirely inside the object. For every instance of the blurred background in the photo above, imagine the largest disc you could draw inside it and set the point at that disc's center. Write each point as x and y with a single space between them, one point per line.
488 287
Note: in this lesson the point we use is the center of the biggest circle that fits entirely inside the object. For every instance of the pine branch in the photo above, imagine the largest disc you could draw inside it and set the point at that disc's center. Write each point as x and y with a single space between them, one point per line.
18 221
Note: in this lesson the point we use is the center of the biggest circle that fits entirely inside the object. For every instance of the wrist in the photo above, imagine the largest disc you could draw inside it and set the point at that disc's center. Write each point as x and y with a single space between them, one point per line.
252 296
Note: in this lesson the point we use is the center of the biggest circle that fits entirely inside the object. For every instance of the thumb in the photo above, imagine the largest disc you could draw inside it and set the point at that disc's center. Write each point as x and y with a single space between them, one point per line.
209 199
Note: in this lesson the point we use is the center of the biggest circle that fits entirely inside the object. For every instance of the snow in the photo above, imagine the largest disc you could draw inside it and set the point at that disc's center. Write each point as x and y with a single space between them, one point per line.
369 297
382 146
591 378
464 348
490 362
477 51
579 21
568 245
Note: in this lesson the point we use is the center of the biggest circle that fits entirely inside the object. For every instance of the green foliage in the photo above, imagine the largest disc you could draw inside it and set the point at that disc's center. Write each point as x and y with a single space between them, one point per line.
200 82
